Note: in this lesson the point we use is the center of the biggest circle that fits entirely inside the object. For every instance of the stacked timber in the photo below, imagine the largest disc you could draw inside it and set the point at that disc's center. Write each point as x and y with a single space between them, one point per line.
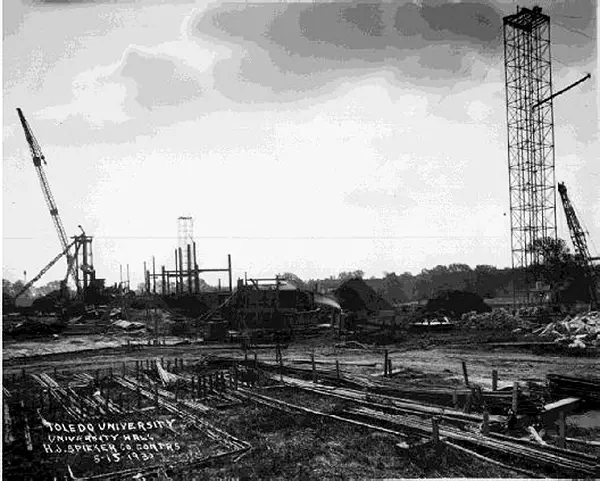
587 389
498 402
516 454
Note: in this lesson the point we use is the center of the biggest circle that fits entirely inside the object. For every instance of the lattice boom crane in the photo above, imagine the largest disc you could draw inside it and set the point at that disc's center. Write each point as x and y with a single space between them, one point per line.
579 243
38 158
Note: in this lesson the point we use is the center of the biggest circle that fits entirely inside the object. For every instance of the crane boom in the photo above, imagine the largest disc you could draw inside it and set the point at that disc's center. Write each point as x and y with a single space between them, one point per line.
579 240
44 270
38 158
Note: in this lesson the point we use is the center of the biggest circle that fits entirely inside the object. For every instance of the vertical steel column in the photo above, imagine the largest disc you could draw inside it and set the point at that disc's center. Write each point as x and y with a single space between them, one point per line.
189 268
163 288
146 279
153 275
196 273
181 290
229 272
176 273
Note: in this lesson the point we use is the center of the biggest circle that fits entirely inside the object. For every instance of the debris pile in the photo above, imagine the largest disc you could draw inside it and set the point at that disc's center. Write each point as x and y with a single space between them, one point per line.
497 319
579 331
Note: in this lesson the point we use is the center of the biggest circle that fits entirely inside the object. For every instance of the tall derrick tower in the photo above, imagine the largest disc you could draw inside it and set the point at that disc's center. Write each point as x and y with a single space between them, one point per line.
530 119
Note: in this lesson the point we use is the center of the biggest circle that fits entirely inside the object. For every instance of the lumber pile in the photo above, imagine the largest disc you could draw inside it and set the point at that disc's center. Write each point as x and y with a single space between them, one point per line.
499 319
587 389
579 331
388 403
547 458
496 401
516 453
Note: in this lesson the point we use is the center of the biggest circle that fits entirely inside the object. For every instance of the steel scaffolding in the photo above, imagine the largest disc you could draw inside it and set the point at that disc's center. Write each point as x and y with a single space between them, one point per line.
530 120
185 237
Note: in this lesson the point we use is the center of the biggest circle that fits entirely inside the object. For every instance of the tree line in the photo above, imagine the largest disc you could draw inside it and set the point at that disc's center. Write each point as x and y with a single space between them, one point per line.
559 270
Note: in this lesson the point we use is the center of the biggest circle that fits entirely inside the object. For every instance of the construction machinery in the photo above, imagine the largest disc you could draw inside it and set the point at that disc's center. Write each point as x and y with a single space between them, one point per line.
38 157
79 251
47 268
582 252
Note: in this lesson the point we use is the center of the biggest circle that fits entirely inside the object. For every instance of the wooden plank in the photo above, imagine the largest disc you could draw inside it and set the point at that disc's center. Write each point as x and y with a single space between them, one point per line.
486 459
272 402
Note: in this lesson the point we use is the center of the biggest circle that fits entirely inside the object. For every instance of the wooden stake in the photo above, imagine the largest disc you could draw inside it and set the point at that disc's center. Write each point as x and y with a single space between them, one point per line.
515 397
435 431
314 368
465 374
485 429
389 367
494 380
280 367
139 398
561 429
337 369
385 363
455 399
468 403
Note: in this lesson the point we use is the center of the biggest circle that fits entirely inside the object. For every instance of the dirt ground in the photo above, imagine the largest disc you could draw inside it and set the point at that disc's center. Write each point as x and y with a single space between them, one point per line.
286 446
435 357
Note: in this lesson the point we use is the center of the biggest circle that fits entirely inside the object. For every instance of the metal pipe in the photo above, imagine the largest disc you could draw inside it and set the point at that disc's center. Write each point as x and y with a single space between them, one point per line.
163 287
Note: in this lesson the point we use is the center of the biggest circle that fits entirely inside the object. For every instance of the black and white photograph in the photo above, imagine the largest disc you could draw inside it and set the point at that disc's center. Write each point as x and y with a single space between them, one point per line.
300 240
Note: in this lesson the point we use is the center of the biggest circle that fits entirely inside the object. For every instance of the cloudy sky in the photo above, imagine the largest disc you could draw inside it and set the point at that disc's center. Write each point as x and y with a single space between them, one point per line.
302 137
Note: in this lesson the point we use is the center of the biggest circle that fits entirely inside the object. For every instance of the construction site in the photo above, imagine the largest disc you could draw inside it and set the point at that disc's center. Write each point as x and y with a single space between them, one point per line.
261 378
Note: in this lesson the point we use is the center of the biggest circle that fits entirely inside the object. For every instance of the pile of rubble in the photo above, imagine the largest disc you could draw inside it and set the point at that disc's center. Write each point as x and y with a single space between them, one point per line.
581 331
497 319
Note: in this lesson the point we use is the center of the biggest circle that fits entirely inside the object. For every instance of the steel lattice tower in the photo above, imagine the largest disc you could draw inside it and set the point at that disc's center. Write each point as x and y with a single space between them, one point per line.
185 235
530 119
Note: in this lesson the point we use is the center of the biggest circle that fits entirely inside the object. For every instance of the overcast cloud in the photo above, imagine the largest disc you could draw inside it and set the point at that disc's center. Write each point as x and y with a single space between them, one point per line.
383 121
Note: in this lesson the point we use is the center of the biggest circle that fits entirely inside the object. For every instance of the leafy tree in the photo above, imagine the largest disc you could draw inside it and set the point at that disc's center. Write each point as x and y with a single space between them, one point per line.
393 288
294 279
344 276
560 270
